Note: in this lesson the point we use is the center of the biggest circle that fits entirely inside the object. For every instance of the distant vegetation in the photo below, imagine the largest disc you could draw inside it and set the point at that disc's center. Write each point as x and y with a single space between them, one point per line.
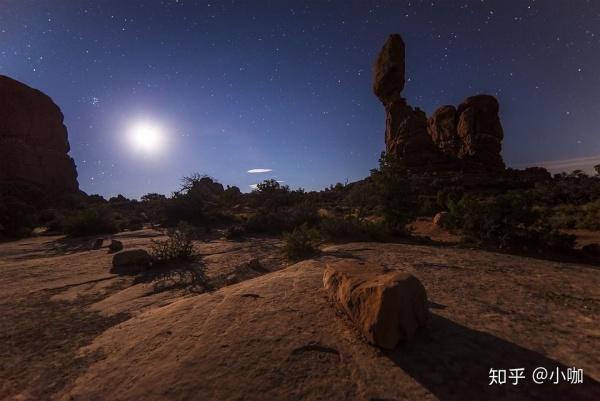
519 209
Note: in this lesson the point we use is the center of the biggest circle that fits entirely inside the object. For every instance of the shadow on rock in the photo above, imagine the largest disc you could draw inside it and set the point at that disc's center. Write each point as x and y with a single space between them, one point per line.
453 362
188 275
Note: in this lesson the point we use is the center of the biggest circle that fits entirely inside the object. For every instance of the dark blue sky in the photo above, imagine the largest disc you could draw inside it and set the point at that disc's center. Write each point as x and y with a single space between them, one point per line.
283 85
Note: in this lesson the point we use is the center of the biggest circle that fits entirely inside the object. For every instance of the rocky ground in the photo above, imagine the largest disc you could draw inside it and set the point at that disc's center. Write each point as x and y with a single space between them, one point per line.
72 331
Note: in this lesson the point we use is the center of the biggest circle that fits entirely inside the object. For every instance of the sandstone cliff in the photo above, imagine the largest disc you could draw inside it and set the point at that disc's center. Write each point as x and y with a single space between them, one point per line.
33 140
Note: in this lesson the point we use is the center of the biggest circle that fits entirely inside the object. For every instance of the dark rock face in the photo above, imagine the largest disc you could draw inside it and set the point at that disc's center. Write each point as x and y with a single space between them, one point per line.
468 137
480 131
388 76
442 129
33 140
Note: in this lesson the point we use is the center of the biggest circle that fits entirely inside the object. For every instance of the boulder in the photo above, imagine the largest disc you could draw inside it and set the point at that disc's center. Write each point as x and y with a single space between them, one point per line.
386 306
115 246
388 72
98 243
440 219
131 261
591 250
33 140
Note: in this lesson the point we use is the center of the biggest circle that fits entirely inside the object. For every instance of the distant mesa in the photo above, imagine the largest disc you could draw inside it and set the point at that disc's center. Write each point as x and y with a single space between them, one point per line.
33 140
467 137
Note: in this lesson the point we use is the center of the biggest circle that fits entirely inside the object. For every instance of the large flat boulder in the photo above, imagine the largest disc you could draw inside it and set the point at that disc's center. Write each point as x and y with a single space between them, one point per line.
130 261
386 306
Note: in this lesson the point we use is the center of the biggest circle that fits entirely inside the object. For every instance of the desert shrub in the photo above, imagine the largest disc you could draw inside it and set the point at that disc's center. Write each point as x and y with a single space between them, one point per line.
266 221
427 206
178 246
576 188
17 218
198 202
362 197
304 212
20 207
132 224
152 205
397 193
231 196
447 195
235 233
97 220
278 220
185 207
585 216
336 229
555 240
301 243
507 221
271 195
590 217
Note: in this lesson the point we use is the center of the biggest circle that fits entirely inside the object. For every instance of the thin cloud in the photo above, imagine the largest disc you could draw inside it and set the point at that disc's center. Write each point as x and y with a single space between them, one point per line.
580 163
260 170
253 186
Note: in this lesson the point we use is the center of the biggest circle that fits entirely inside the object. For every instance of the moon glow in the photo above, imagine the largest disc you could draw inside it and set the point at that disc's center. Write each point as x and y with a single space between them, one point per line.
146 137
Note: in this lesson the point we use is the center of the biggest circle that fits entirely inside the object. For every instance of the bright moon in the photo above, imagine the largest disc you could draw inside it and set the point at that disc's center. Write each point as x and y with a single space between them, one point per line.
146 136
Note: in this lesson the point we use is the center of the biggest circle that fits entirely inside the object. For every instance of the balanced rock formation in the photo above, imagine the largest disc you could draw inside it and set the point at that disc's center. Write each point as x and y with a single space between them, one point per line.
465 137
405 128
386 306
33 140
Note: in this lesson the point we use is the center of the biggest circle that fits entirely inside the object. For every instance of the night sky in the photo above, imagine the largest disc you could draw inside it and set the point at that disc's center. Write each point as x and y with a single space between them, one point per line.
286 86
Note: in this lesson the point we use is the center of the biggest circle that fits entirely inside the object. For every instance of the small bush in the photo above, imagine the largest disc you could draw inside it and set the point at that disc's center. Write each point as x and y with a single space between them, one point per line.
91 221
590 218
276 221
397 193
265 221
178 247
21 205
336 229
507 221
235 233
302 243
17 218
